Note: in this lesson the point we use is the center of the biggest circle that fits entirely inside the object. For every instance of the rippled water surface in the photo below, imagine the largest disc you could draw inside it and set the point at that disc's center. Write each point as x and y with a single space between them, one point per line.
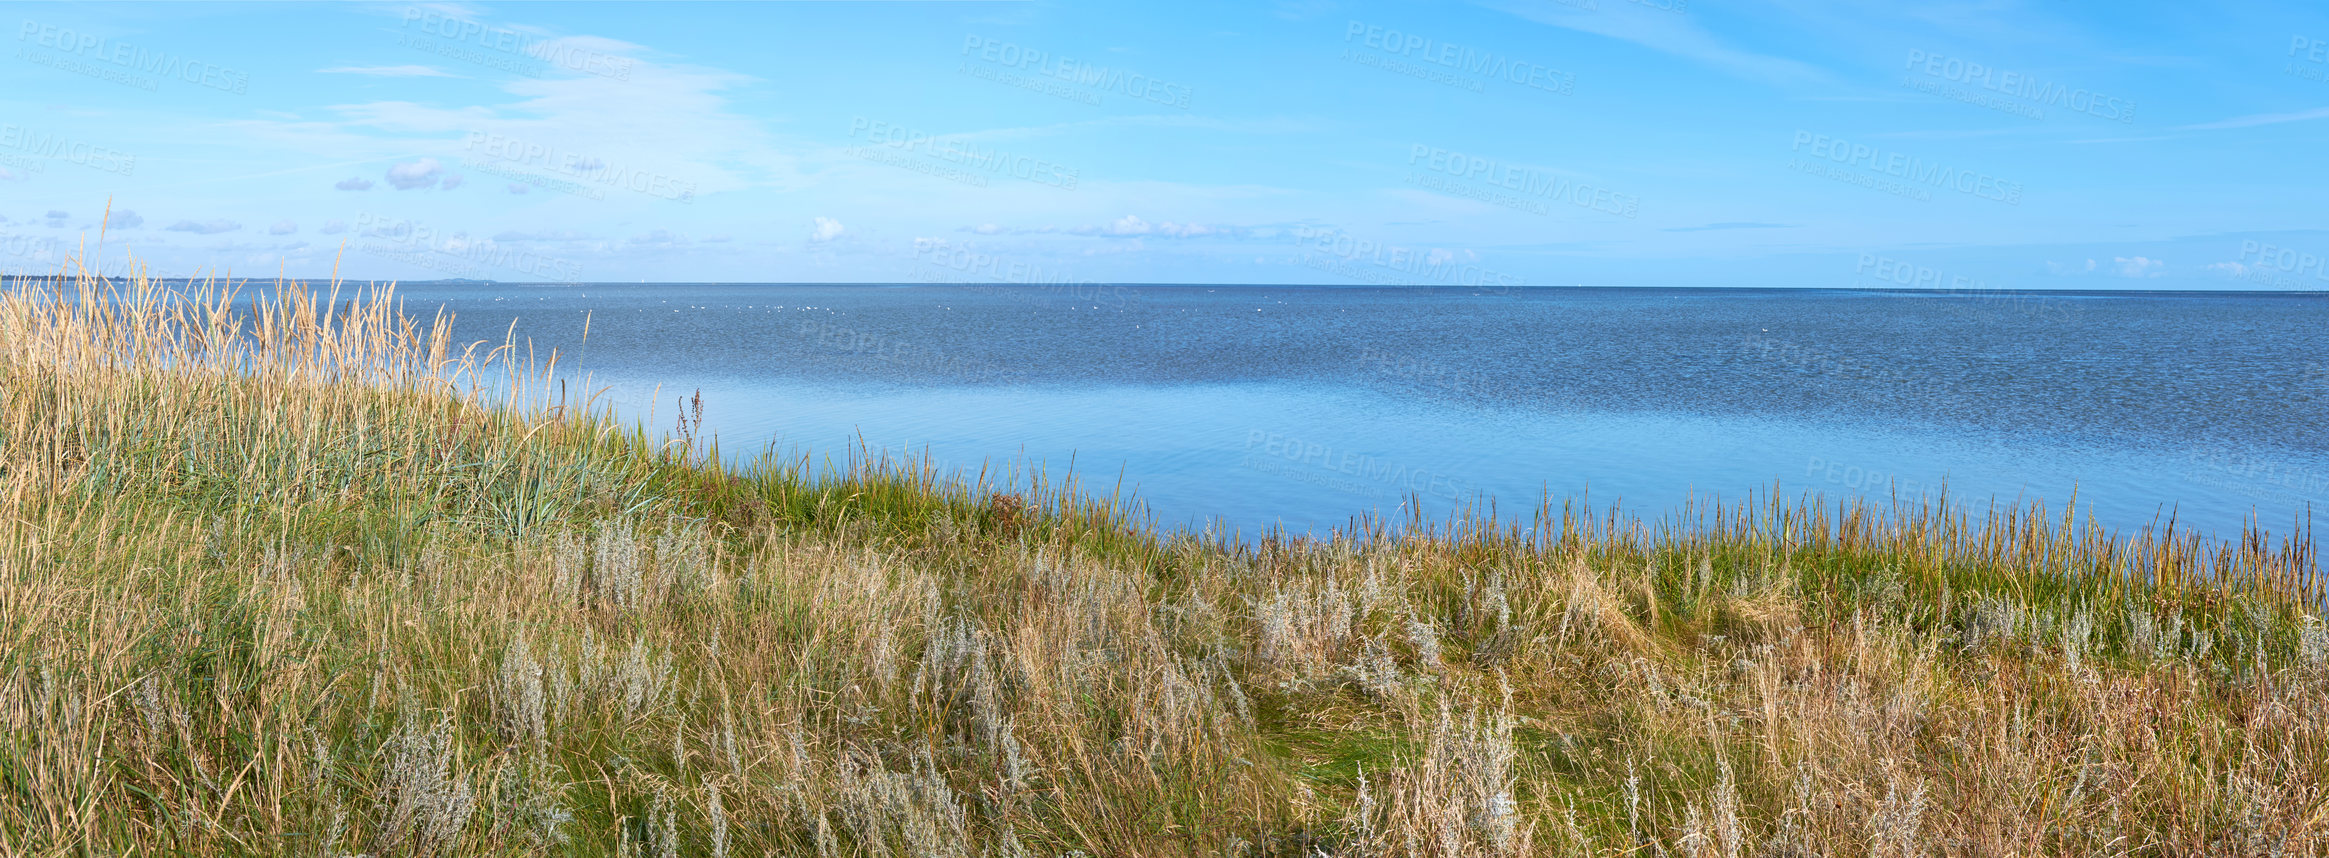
1300 407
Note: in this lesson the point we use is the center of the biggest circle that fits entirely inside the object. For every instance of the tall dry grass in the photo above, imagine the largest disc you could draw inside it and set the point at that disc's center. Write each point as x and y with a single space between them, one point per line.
300 575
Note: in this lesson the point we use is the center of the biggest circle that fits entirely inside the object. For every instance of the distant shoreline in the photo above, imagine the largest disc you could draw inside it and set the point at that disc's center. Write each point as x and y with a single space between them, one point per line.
1352 287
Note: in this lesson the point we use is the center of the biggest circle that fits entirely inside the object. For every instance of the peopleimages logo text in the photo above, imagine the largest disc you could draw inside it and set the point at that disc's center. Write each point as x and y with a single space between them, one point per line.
990 268
1454 56
1898 272
2311 50
423 245
968 155
530 154
1071 70
1912 275
51 145
1907 167
27 246
1527 181
1868 480
2288 260
1428 265
2023 86
881 347
567 54
1400 475
134 57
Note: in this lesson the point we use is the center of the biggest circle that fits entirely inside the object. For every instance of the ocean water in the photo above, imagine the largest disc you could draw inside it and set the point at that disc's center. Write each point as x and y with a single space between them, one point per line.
1253 408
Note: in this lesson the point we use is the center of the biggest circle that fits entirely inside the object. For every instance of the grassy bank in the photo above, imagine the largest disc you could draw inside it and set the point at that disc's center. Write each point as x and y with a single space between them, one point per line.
287 580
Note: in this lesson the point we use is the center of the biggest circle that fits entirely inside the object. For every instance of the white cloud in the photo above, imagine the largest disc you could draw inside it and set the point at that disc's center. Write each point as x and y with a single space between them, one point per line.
1133 225
209 227
826 229
355 184
283 227
451 182
417 174
2235 269
124 219
553 235
679 125
333 227
389 71
2138 266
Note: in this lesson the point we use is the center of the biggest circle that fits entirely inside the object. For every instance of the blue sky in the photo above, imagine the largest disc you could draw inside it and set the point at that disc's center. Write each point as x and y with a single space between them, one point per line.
1599 142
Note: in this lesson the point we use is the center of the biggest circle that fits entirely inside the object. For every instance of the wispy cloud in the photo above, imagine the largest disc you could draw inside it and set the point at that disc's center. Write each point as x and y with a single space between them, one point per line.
1264 125
2257 119
1730 224
2093 141
680 123
1672 34
661 239
1949 133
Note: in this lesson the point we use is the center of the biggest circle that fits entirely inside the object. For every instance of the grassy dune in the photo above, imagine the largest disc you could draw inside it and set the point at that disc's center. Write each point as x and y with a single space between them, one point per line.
308 578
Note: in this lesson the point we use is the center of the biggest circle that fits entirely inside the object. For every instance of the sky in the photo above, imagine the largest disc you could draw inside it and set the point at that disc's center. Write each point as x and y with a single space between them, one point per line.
2054 144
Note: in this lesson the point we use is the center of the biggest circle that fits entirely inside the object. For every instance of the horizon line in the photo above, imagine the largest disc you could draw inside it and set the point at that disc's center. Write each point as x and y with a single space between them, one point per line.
1485 290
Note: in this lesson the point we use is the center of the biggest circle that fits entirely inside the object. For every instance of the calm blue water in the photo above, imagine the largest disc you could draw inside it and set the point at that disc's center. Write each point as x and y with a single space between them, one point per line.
1301 407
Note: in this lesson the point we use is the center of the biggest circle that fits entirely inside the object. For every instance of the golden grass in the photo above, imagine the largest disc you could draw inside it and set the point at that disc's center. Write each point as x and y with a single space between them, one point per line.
301 576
